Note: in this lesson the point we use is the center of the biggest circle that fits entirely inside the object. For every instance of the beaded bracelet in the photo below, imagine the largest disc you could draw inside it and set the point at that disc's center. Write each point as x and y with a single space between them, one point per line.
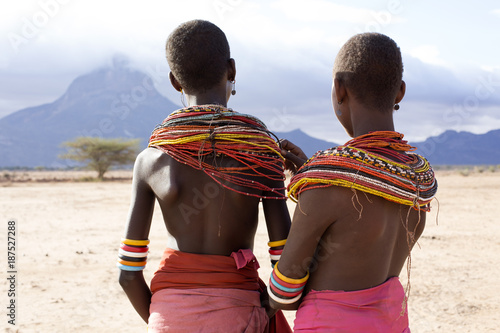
134 242
283 289
274 253
129 268
132 254
276 243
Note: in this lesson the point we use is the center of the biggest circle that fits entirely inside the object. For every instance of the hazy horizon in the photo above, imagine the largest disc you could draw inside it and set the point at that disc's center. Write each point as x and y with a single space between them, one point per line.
284 52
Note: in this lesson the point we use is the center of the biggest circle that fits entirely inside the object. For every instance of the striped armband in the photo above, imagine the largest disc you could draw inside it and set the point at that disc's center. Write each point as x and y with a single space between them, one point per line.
285 290
132 254
275 250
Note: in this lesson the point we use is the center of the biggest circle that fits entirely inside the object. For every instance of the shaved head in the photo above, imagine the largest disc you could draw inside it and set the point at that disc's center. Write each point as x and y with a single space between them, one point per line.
370 65
198 55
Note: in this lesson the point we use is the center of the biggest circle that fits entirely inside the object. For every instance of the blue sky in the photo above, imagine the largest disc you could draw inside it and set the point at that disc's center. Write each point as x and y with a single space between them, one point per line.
284 52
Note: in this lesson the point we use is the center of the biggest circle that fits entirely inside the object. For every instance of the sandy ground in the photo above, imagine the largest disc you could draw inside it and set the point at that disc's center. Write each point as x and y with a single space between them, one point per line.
68 233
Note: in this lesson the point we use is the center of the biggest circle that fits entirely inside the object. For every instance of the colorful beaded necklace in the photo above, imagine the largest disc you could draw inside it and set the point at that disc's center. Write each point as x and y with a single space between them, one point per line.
379 163
197 135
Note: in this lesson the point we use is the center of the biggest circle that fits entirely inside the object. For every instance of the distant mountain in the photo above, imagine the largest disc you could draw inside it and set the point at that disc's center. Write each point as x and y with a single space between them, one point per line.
117 101
448 148
308 144
461 148
109 102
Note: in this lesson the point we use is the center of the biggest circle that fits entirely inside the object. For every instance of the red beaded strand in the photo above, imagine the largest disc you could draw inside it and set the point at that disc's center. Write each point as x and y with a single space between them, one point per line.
191 135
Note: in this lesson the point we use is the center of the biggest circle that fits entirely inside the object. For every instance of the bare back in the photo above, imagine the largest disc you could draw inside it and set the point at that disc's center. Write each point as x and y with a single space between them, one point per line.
201 215
352 240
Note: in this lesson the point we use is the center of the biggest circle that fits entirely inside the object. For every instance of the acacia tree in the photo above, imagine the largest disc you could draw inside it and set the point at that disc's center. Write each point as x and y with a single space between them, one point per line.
100 154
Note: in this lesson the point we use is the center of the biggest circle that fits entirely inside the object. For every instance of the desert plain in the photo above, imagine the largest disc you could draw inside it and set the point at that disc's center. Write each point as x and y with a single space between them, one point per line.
68 230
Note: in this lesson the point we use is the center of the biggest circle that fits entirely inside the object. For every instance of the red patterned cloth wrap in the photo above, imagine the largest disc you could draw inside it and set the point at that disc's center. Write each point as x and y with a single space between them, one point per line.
213 292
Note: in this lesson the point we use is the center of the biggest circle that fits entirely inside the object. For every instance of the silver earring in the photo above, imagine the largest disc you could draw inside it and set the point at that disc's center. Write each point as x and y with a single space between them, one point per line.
182 98
233 92
396 107
339 112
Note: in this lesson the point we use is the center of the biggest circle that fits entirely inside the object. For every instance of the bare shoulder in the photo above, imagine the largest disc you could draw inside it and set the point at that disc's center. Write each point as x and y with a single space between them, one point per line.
149 161
147 158
326 204
160 172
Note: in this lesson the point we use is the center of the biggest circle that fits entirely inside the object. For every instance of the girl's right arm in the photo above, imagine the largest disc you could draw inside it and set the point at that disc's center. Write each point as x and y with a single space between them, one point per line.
138 226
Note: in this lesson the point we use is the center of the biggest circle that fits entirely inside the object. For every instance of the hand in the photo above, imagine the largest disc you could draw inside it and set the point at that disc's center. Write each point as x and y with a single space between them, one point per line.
294 156
264 302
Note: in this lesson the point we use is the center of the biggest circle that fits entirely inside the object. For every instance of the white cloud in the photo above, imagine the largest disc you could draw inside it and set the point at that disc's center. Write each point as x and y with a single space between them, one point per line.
327 11
491 69
496 12
320 10
428 53
284 52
